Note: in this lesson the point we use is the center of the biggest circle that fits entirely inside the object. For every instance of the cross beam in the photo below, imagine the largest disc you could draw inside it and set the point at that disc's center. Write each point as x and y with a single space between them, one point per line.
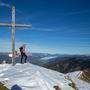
14 25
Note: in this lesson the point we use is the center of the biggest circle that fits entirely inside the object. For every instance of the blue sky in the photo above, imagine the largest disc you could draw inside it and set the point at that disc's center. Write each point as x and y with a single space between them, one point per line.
58 26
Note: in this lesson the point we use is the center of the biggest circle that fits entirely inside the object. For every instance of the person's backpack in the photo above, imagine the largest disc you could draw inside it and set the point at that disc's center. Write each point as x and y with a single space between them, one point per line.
21 49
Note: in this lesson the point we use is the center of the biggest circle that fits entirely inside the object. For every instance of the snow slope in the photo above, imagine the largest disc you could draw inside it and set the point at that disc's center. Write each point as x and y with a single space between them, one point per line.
32 77
81 85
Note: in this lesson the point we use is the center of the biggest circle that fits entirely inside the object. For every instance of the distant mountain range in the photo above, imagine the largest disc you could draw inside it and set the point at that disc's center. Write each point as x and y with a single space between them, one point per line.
61 63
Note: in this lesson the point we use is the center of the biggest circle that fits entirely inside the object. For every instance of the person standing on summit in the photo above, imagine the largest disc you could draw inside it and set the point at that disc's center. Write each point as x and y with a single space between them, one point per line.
23 53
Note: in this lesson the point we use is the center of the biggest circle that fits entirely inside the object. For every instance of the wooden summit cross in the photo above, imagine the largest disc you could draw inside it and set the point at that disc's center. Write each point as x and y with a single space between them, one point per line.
14 25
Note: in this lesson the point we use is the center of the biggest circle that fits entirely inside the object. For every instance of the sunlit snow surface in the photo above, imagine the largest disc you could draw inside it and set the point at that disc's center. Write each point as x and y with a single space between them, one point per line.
32 77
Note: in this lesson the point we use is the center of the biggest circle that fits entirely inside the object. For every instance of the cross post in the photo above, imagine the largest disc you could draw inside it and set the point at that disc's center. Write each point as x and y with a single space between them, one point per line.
13 35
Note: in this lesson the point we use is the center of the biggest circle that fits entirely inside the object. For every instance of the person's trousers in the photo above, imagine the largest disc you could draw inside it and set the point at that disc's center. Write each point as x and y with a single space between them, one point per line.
23 55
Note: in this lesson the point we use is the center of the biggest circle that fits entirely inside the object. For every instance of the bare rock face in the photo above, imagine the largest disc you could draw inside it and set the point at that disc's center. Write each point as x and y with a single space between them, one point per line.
86 75
57 88
2 87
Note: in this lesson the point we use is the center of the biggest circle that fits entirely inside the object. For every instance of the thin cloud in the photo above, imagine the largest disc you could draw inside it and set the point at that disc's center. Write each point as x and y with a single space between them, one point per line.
78 12
43 29
9 6
5 5
38 29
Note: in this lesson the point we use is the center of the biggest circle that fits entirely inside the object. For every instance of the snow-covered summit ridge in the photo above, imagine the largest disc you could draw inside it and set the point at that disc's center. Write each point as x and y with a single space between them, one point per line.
81 85
32 77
